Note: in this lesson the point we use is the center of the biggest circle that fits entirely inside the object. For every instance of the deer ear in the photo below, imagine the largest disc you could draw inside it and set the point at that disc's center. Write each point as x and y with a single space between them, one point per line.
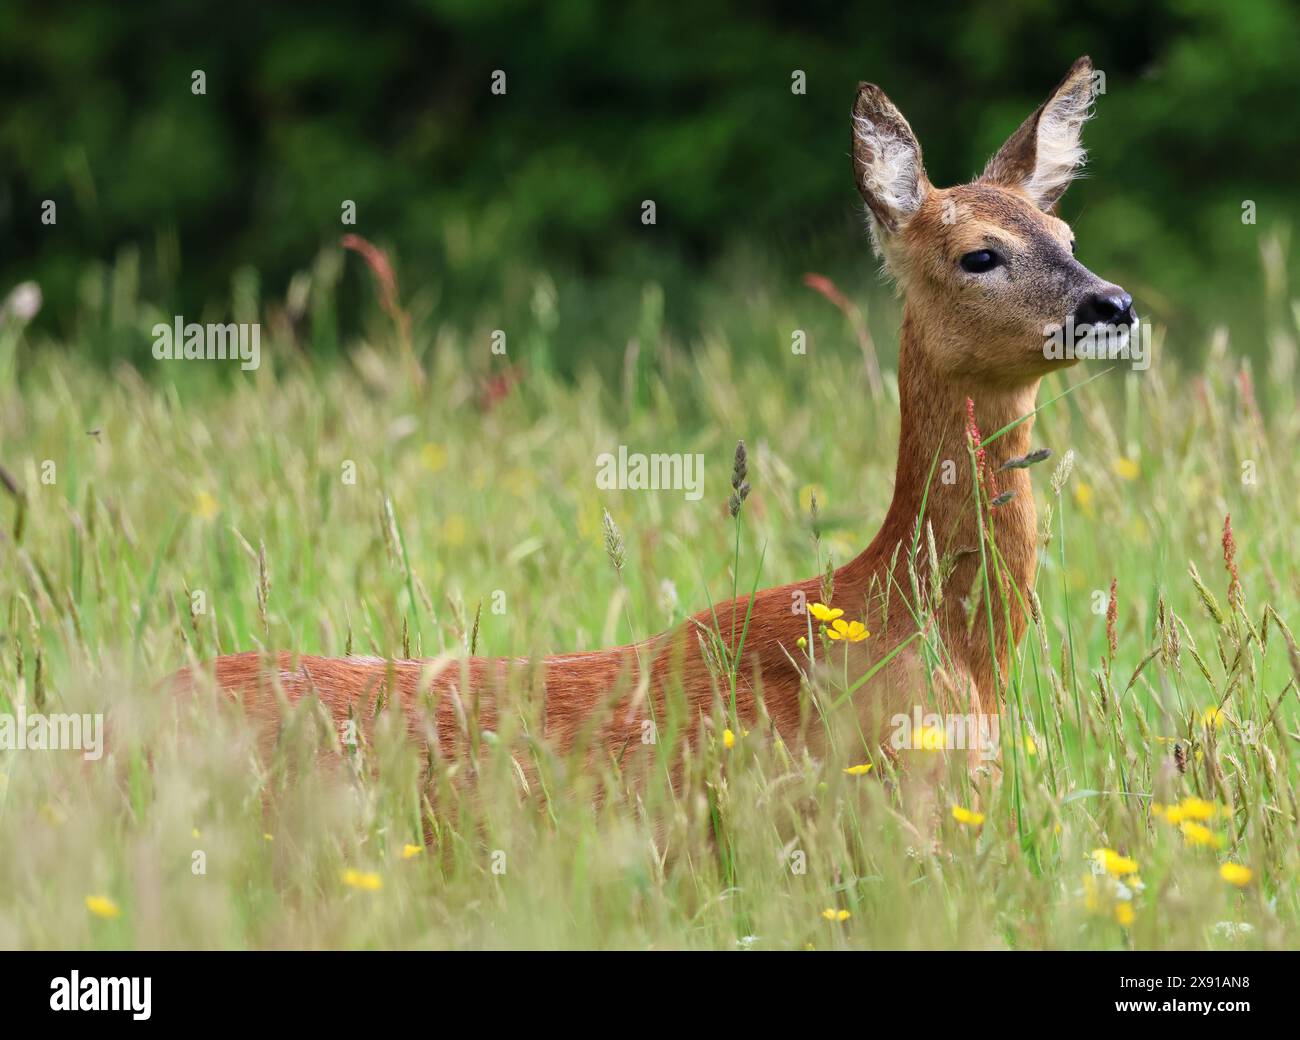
1045 154
886 159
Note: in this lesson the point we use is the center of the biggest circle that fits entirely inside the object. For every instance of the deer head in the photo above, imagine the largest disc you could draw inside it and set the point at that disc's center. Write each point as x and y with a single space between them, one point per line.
987 268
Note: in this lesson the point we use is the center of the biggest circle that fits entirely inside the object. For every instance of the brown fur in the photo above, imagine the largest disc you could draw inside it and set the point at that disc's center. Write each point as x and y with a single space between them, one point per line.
963 336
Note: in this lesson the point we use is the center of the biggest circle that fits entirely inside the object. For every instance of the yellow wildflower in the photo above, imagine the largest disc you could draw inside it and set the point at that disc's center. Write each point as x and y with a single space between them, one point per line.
1212 716
859 770
852 631
1124 913
929 738
1197 809
1236 874
831 914
1126 468
1083 495
1113 863
205 507
102 906
411 851
1200 835
824 613
366 880
1169 813
966 816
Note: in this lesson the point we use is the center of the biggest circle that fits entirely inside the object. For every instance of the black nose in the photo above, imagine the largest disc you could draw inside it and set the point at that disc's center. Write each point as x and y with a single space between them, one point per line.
1105 308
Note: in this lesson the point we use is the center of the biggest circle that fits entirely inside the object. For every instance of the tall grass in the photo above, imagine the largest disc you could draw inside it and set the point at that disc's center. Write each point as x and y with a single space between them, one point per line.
203 515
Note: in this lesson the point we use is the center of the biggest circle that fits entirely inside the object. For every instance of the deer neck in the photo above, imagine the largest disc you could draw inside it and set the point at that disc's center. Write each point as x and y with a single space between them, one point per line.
934 418
934 481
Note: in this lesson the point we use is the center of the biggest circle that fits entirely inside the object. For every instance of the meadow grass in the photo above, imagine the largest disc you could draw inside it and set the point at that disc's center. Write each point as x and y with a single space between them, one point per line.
188 515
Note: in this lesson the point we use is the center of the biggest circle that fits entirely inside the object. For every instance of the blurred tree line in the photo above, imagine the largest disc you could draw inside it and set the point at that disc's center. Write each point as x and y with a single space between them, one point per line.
693 106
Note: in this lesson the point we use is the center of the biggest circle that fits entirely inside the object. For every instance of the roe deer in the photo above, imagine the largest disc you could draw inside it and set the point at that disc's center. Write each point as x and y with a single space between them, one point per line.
984 269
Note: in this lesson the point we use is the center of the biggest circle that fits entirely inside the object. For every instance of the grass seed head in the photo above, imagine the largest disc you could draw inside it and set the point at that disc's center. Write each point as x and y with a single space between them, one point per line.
1062 472
614 547
1230 562
739 485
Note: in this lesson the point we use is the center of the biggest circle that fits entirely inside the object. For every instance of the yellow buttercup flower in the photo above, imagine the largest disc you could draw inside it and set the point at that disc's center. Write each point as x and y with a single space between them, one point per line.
1236 874
367 881
859 770
1212 717
729 738
850 631
1197 809
1190 817
411 851
205 507
966 816
1126 468
1030 747
929 738
824 613
1083 495
831 914
1199 834
1124 913
102 906
1113 863
1169 813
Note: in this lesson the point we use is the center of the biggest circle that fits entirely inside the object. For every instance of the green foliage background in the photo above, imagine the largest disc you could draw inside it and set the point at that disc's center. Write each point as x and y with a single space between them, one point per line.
607 105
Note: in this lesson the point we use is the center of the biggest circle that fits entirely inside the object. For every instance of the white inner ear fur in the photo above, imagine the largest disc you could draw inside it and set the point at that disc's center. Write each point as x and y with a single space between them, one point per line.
1059 154
892 176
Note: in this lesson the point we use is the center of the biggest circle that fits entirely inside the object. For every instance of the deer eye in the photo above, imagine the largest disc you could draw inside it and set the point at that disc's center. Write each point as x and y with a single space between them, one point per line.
980 261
